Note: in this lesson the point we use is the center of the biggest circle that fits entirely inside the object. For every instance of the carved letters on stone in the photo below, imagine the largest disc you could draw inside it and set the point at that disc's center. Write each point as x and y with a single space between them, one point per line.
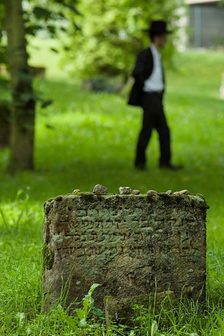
132 245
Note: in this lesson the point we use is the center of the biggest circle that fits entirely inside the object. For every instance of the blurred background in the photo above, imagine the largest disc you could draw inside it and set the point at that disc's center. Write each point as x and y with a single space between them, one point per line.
65 74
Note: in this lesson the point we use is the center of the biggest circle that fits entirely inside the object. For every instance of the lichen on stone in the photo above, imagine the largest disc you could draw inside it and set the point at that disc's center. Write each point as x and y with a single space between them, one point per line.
48 257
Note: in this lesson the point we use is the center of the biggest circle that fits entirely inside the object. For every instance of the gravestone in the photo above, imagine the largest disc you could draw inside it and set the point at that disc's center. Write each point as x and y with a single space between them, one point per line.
132 244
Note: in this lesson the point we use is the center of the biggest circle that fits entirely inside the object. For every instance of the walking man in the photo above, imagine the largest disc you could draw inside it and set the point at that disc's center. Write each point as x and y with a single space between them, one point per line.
147 92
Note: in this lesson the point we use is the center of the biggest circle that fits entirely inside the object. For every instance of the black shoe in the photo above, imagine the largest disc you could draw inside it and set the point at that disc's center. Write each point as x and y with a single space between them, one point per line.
140 166
171 166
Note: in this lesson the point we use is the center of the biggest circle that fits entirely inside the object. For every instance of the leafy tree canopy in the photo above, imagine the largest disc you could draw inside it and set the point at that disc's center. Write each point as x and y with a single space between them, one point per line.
112 33
51 16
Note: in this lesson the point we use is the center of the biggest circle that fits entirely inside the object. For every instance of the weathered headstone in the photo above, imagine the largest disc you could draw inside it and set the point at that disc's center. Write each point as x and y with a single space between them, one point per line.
131 244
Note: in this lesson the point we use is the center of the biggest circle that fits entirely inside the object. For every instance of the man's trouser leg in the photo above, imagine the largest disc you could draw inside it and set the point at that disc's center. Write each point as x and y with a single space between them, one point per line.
164 138
148 124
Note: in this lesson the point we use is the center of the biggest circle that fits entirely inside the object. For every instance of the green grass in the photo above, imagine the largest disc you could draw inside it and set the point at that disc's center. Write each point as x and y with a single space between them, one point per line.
84 139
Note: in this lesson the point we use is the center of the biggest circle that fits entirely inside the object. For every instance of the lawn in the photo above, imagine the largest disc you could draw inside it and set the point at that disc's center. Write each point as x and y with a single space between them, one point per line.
83 139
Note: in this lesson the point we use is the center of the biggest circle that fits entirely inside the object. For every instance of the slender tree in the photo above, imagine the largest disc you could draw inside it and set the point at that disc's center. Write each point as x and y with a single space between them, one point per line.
23 106
51 16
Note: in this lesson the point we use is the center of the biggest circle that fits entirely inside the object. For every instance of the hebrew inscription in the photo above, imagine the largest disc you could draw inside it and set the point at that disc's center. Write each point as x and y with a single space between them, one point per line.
132 245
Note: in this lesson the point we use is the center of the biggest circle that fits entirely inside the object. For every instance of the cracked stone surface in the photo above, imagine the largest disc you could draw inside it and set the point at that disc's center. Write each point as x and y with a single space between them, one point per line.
130 244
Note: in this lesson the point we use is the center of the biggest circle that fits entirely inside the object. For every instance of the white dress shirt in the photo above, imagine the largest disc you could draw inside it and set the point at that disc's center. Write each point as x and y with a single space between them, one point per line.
155 81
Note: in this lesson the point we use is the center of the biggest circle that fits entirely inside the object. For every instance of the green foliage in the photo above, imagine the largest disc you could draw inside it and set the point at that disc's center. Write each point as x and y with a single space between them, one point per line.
112 34
12 219
88 304
51 17
92 140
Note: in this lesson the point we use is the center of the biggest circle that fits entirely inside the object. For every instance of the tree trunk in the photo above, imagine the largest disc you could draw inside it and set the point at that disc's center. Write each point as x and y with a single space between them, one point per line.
5 125
23 107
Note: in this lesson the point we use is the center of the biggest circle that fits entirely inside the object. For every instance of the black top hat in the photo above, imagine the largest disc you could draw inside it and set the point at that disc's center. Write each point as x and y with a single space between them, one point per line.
158 27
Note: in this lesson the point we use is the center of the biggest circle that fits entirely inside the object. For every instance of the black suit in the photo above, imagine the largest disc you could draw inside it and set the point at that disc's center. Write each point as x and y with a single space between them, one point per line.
153 112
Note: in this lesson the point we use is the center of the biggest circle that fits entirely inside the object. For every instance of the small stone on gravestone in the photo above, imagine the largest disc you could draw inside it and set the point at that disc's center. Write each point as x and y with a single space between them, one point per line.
181 192
135 192
169 192
198 198
100 189
125 190
153 194
76 191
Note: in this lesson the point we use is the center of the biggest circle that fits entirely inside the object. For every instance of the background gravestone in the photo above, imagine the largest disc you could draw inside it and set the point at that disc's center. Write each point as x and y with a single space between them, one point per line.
133 245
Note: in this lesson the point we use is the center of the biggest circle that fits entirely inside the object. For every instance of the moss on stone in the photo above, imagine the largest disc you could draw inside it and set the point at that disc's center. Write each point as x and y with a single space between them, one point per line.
48 257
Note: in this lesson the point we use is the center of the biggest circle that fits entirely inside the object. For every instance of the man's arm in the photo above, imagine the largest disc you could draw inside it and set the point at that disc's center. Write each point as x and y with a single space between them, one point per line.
143 66
138 72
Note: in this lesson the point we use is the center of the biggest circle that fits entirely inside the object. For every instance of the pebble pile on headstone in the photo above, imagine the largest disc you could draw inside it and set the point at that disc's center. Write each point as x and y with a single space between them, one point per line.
132 244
